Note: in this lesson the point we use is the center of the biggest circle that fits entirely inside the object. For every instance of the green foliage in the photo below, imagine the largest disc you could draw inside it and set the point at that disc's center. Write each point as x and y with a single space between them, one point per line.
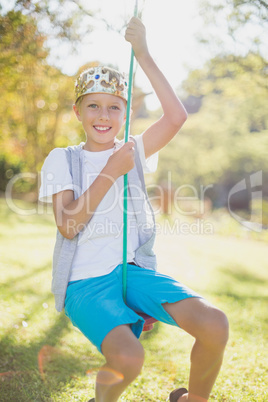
58 19
7 170
245 10
242 23
226 140
36 98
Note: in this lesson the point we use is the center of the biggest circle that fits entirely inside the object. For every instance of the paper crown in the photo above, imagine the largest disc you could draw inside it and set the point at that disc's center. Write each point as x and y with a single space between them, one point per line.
101 80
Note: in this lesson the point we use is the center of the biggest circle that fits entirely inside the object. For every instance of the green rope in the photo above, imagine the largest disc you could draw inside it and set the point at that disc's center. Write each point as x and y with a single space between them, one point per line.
130 79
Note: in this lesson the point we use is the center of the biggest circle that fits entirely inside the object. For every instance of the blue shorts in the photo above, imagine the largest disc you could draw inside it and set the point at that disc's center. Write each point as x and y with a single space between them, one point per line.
96 305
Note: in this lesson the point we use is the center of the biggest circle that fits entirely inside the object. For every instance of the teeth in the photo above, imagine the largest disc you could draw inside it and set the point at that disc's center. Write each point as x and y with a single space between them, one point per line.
102 128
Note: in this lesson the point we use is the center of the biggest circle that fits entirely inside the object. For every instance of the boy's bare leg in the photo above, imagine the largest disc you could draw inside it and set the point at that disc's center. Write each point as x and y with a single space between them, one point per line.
209 327
124 360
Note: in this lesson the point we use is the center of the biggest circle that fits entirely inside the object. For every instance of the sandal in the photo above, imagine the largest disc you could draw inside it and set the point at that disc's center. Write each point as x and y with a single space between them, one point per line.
92 400
176 394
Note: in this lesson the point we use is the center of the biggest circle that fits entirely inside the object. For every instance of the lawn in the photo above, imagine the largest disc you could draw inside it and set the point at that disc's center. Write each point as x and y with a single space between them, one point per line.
43 358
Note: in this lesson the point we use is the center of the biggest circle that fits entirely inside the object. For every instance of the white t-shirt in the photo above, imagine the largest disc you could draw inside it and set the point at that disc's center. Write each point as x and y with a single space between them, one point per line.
100 243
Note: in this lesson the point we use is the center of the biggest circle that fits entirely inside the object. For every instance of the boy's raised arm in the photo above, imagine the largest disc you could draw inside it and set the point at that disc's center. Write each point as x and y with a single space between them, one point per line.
174 113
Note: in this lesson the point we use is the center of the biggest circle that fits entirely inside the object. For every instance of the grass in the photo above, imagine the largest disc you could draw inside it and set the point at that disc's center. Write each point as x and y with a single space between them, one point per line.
44 358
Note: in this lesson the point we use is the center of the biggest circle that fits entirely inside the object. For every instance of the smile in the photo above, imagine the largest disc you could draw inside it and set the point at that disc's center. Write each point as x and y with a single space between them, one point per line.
102 128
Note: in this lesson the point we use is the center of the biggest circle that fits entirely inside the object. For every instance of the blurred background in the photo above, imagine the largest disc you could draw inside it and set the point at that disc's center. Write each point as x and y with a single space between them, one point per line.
214 53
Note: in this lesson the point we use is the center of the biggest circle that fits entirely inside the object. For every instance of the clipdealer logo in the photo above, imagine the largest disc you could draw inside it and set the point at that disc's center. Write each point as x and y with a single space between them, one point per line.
254 187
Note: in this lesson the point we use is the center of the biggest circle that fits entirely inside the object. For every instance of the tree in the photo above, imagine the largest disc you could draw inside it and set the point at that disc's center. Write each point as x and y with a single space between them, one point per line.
34 94
226 140
239 25
57 19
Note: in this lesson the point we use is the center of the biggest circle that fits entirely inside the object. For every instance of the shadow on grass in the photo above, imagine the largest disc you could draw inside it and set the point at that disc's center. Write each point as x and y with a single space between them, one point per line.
8 286
240 298
247 293
239 274
23 381
19 359
237 282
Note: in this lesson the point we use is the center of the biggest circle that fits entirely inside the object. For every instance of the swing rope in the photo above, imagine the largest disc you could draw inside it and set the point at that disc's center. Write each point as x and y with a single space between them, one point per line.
149 321
125 206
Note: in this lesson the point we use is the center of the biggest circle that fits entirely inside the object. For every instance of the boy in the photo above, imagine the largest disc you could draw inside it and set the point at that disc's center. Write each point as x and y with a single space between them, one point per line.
88 253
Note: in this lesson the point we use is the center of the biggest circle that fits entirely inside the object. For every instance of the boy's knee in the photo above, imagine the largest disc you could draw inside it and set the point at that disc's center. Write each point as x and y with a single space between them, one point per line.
217 329
129 362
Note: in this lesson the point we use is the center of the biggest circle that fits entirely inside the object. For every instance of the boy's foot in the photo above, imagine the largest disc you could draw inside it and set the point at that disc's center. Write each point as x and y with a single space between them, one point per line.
176 394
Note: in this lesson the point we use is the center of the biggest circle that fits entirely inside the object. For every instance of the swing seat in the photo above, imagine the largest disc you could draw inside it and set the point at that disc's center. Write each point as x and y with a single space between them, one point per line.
149 322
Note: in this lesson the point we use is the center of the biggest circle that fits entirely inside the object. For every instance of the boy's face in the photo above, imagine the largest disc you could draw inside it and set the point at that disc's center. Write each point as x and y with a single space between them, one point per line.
102 116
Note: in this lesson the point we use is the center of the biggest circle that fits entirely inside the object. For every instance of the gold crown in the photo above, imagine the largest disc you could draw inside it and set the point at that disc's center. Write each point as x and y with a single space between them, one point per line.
101 80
